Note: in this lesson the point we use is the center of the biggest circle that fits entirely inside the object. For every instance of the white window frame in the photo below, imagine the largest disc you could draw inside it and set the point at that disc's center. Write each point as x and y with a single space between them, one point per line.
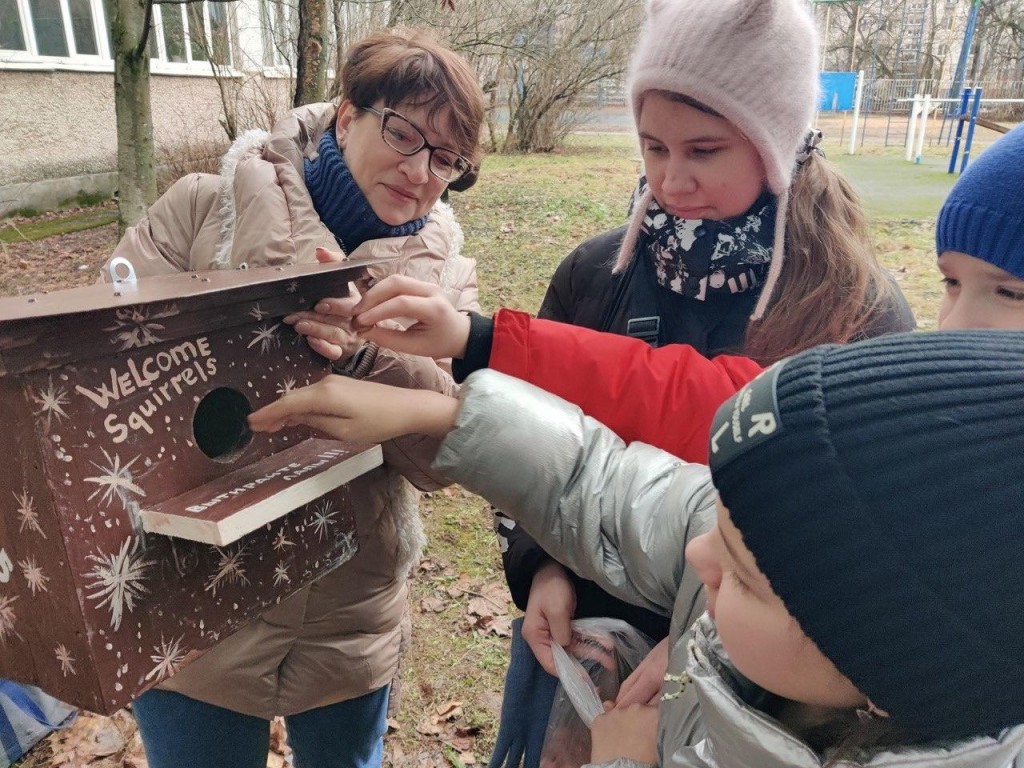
31 59
279 67
190 66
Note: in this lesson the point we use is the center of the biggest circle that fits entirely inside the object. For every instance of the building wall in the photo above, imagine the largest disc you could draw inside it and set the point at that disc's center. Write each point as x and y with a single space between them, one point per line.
58 134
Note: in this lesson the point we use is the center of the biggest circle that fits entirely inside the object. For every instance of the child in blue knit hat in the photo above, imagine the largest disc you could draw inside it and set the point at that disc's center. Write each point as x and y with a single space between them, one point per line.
980 241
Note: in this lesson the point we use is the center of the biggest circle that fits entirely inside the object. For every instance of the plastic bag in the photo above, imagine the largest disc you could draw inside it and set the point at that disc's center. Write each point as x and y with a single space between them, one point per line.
26 715
601 655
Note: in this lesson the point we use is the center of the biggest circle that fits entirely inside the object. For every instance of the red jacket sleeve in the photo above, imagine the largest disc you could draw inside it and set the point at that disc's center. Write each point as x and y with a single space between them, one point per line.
666 397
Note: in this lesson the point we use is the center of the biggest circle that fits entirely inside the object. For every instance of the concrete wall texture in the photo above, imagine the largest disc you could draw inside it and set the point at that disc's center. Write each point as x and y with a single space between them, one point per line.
58 135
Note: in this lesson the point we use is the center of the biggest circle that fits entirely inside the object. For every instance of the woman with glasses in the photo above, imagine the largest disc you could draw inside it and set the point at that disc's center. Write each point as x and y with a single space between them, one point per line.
364 175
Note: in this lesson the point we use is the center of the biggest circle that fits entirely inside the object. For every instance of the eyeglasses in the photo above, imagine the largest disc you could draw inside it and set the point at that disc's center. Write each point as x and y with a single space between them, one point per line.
406 139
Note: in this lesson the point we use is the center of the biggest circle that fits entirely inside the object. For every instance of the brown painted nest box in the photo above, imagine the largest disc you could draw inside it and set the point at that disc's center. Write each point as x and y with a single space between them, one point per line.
140 520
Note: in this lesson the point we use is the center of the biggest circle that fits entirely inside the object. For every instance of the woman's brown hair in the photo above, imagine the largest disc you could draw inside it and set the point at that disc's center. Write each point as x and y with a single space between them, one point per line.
831 288
409 66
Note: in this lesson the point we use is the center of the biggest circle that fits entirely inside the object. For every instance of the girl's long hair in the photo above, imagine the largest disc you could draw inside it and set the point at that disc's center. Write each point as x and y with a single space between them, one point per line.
831 287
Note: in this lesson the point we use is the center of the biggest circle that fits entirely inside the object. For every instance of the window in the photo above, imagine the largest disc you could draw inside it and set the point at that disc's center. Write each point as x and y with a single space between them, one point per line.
12 38
61 29
280 22
190 33
75 34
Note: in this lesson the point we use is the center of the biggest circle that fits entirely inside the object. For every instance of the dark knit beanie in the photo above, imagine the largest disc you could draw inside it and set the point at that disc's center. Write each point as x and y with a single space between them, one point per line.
880 486
984 213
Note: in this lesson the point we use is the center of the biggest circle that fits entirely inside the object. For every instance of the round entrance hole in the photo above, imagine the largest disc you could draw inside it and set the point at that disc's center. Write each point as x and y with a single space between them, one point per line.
219 424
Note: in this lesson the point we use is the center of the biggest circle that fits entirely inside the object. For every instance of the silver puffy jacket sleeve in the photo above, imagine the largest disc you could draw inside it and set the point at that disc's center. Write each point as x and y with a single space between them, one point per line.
620 515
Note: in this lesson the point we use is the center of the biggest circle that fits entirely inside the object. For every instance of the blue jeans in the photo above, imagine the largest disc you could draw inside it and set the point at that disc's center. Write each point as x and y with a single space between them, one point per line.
178 731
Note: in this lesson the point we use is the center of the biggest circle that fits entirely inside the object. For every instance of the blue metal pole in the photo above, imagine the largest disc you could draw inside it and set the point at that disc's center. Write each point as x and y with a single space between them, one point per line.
965 99
970 129
965 50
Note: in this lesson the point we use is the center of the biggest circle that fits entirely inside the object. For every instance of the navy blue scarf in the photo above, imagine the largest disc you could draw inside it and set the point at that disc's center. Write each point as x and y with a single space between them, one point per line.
340 203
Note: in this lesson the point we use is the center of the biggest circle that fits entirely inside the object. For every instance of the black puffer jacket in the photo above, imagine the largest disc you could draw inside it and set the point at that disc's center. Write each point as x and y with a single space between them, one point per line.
583 291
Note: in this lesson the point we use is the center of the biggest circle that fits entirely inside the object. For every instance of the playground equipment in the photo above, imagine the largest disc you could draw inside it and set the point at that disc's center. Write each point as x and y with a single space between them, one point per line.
969 106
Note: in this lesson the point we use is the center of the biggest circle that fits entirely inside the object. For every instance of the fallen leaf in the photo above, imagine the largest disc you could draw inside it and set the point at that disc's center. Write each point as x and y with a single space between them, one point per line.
393 725
397 755
279 737
482 607
428 727
451 710
432 605
460 743
501 626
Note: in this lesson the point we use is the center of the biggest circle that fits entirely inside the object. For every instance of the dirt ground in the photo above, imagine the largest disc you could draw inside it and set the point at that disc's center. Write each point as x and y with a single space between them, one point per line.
66 261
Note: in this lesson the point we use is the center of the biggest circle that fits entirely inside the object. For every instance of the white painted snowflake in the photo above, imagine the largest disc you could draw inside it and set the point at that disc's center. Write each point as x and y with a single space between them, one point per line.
266 337
34 576
136 327
118 580
346 549
293 286
281 575
7 618
281 541
258 313
67 661
115 482
230 569
323 518
286 386
51 402
168 658
28 517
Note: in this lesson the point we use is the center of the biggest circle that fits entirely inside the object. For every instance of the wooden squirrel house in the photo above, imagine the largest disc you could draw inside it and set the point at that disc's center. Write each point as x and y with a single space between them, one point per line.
140 520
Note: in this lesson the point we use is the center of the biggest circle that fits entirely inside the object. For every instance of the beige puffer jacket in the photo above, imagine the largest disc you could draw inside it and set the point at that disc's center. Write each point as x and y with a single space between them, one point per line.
341 637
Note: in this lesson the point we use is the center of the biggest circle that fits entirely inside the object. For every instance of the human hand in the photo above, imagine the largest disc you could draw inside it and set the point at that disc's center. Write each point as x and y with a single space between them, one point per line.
630 733
361 411
549 610
328 333
643 686
437 330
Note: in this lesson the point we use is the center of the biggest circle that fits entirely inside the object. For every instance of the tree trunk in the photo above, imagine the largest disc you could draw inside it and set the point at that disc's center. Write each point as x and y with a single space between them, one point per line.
309 69
136 166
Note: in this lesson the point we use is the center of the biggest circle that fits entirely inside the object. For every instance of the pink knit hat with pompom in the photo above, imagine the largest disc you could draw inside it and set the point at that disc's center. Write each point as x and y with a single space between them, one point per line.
752 61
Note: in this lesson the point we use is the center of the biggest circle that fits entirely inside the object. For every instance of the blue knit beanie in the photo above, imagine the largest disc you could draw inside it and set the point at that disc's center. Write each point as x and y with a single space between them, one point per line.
984 213
879 487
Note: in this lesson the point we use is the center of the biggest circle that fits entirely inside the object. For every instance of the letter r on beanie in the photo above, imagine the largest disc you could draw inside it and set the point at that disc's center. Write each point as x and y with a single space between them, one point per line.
748 418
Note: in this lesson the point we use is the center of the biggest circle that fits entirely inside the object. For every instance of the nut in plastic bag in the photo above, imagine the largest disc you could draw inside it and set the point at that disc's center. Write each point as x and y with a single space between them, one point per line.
601 655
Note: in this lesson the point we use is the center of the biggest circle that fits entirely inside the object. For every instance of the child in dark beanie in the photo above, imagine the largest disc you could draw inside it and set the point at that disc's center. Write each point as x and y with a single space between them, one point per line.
856 538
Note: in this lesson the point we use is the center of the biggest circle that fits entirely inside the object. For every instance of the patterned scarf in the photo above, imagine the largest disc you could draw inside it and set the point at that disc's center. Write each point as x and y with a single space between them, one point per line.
700 258
340 203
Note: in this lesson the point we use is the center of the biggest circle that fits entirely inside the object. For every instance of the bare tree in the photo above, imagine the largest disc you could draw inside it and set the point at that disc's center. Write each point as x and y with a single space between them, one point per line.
1000 40
311 62
543 56
136 168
